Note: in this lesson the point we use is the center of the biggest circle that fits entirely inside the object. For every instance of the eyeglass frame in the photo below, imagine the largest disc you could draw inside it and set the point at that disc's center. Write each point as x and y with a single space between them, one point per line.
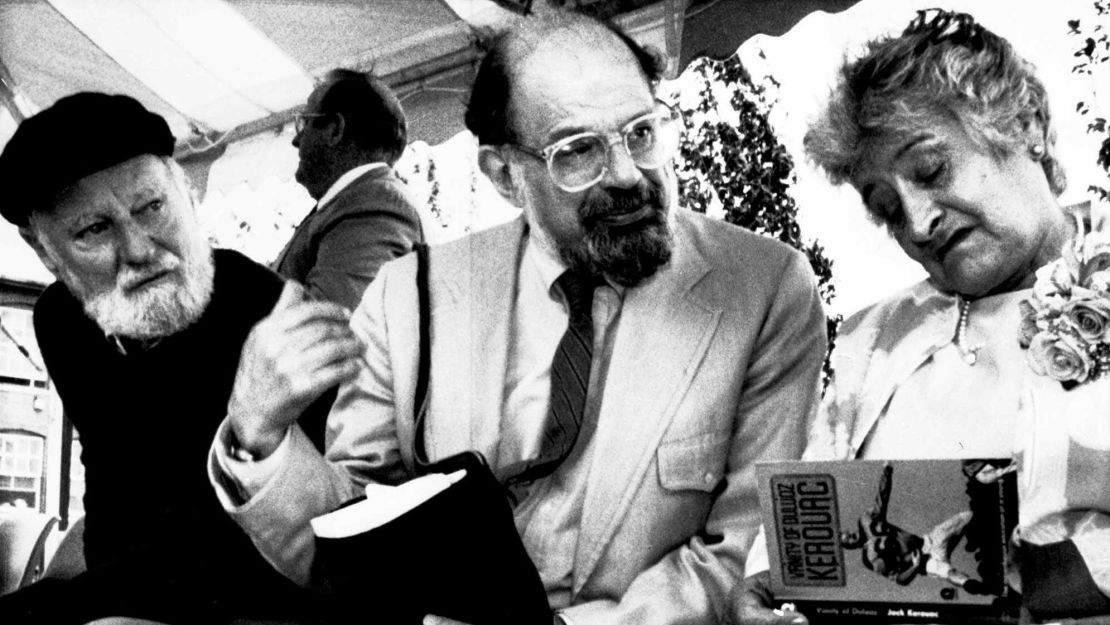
301 121
545 154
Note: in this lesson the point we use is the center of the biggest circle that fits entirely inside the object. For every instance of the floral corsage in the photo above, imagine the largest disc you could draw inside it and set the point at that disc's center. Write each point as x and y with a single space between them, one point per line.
1065 325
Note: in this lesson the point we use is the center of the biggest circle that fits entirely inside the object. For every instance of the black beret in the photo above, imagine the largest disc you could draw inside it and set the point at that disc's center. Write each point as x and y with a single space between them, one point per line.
79 135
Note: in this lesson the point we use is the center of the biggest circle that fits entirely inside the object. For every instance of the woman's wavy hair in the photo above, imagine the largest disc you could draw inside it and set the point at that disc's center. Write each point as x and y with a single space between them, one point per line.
944 65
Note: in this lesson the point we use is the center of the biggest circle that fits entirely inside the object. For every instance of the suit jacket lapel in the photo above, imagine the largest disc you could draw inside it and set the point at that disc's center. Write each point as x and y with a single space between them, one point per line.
477 285
894 356
665 329
304 227
298 232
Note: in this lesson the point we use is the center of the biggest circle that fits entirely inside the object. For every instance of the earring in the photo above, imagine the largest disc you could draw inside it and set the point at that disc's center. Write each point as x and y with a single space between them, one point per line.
1036 151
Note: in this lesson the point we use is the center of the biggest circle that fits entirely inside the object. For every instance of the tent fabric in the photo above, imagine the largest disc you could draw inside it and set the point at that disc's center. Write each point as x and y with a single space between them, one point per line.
223 70
48 59
716 28
217 70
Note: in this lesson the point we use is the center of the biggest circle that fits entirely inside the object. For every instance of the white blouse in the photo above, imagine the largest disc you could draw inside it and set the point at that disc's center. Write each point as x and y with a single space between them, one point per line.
902 390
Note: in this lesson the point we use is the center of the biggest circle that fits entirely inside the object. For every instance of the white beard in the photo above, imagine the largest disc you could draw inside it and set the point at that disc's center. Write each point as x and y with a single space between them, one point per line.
158 310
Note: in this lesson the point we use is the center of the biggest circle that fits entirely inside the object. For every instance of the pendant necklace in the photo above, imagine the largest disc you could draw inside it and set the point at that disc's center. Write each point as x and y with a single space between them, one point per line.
970 355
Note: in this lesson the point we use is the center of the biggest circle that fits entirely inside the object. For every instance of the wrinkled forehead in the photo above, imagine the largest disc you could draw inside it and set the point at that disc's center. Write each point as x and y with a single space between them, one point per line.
877 154
575 51
574 69
136 178
883 131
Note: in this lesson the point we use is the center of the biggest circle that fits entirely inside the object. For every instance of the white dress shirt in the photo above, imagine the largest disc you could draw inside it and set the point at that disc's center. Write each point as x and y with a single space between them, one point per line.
548 518
345 180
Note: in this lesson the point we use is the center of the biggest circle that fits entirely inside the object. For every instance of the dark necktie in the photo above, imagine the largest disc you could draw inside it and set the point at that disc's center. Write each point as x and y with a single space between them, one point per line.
570 378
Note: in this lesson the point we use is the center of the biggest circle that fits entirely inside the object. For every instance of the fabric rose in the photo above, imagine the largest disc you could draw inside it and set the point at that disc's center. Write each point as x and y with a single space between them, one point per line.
1096 253
1052 286
1069 264
1065 325
1099 281
1029 327
1060 358
1090 316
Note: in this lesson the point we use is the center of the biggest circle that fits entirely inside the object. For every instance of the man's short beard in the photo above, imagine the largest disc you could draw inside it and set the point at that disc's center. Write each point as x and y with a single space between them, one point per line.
627 254
156 311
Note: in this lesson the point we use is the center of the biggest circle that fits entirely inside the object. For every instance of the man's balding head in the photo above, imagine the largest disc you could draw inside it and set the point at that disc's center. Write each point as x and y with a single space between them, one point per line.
488 114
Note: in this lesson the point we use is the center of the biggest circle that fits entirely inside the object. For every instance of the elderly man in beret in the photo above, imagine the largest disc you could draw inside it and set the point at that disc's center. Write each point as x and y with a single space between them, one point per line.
141 335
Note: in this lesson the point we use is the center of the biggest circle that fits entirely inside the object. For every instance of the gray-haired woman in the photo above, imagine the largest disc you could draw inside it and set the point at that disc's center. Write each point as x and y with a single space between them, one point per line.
945 131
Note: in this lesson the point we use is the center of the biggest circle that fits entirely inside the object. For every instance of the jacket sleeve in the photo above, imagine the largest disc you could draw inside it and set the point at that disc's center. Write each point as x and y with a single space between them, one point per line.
780 390
362 447
1062 445
829 436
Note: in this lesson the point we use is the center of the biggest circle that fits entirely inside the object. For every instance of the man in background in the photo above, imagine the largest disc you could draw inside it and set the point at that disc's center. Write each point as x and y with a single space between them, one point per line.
349 136
141 336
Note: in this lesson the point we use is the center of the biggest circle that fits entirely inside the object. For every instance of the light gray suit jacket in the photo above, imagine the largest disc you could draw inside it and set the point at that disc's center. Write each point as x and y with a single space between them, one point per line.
715 367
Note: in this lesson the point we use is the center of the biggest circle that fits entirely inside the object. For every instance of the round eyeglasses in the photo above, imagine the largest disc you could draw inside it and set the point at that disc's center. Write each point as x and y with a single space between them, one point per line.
301 120
580 161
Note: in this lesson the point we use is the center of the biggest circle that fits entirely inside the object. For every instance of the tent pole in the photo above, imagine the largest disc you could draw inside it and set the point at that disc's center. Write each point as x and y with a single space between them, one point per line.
7 94
672 29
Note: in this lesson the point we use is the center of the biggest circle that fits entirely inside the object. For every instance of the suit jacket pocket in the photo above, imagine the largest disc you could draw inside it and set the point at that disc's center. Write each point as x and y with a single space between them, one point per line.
693 463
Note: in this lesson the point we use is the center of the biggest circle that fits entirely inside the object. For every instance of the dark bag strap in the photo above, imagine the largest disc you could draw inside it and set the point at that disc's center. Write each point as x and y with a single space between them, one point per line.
470 459
423 372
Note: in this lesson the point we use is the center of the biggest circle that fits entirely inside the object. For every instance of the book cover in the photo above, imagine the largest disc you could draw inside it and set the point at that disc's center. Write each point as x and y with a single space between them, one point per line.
891 541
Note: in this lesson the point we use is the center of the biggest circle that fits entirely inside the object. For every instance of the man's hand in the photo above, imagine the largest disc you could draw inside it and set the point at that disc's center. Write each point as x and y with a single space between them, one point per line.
750 604
301 349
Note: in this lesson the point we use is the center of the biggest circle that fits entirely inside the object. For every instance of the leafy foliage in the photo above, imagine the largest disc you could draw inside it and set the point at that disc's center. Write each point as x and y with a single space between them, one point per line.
1094 60
731 158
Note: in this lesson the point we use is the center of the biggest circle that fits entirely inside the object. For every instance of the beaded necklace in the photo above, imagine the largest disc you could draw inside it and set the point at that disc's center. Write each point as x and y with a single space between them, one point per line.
970 355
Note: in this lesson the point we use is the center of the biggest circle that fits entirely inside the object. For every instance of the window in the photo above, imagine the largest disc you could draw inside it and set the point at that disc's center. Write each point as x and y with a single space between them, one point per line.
34 436
21 460
15 366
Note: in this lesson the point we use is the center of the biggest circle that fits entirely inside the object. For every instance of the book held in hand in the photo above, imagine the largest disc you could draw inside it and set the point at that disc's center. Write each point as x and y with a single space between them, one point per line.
443 543
891 541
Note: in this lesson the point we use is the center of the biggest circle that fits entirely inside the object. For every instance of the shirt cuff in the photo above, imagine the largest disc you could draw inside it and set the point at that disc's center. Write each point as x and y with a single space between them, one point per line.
245 479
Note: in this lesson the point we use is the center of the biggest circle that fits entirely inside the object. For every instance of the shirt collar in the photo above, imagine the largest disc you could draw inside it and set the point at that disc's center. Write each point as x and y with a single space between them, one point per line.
127 347
549 266
346 179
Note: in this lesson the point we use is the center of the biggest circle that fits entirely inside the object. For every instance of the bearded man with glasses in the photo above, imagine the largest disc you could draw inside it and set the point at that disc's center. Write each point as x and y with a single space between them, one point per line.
622 363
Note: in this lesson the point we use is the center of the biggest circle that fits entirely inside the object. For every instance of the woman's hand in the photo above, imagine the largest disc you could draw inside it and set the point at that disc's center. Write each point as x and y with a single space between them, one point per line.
750 604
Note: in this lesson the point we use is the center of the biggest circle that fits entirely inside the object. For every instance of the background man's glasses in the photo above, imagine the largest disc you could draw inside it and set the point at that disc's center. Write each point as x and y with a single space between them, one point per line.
301 120
579 161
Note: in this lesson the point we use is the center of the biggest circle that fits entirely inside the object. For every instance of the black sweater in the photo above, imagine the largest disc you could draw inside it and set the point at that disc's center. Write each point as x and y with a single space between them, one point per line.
157 541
